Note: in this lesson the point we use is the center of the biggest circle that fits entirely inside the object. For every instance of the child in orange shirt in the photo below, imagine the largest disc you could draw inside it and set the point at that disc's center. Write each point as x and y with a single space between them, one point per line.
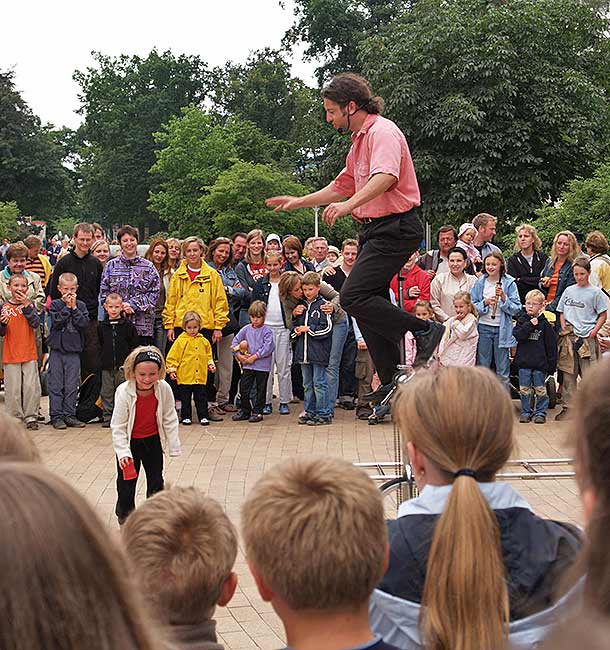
18 320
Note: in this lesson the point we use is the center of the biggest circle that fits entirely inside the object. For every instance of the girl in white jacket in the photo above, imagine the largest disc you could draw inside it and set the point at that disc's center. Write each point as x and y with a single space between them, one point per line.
458 347
144 415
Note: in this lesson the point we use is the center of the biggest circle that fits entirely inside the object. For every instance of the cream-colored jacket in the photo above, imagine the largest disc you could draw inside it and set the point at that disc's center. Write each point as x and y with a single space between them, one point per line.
124 415
442 291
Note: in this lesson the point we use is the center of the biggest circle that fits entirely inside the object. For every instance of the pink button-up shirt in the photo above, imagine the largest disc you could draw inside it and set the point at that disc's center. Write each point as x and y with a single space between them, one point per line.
380 147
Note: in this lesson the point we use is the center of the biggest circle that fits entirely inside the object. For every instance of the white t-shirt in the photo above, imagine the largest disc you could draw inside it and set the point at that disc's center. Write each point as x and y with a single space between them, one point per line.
273 317
489 291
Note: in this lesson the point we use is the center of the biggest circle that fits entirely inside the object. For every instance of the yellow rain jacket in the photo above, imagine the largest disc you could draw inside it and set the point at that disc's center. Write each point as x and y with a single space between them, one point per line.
205 294
189 358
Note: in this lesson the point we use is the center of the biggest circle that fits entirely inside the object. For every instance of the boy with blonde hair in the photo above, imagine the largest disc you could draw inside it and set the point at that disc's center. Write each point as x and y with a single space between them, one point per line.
183 547
316 544
536 357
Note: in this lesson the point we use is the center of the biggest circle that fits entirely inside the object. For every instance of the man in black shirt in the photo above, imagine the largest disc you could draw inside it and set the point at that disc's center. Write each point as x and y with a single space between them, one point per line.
88 271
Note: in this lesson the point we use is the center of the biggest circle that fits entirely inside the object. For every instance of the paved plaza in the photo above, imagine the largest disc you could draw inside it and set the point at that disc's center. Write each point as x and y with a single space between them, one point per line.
225 459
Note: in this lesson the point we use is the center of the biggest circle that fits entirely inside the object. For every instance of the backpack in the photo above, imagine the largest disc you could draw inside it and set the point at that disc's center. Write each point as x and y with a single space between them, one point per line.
89 405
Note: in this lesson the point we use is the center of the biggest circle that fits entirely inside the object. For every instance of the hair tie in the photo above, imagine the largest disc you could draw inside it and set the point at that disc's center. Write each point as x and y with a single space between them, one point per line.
466 472
148 355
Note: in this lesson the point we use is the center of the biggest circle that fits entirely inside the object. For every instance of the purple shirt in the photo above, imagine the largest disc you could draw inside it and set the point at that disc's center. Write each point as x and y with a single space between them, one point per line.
137 282
260 341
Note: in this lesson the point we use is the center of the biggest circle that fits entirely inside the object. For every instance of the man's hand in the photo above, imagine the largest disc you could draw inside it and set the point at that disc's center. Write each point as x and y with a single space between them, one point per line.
216 336
328 308
413 292
431 274
334 211
328 270
283 202
362 345
171 335
172 375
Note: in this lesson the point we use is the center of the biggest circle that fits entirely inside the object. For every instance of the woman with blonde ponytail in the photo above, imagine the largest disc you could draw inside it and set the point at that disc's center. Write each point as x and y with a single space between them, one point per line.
470 564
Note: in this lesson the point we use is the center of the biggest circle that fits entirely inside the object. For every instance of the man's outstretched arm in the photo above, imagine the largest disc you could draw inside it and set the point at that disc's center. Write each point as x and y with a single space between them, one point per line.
322 197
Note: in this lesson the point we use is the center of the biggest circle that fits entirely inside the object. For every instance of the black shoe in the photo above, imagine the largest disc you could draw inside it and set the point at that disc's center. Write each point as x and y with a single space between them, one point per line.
346 405
106 424
427 342
59 424
305 419
240 416
378 395
539 419
255 417
73 422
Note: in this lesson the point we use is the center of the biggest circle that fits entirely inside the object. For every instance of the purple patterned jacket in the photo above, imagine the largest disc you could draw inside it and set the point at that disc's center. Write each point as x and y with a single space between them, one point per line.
137 282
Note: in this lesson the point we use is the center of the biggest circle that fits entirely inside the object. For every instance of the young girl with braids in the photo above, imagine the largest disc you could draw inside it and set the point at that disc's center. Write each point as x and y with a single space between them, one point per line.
470 565
144 422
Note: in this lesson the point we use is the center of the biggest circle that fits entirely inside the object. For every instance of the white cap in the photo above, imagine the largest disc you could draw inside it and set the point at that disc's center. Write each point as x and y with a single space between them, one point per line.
271 237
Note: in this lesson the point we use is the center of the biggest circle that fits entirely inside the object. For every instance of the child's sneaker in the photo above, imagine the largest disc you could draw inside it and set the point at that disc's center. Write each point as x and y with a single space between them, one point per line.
524 419
204 422
186 422
284 410
268 409
539 419
255 417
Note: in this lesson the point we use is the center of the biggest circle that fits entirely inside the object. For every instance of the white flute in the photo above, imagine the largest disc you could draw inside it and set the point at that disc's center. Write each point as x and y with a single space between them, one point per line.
494 309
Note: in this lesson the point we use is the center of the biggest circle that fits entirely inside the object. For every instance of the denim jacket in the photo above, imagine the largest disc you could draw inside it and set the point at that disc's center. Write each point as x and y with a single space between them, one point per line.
235 294
506 308
564 280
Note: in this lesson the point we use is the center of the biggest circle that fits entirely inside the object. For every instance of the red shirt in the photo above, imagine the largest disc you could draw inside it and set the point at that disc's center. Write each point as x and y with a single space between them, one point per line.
145 423
414 278
380 147
257 271
193 273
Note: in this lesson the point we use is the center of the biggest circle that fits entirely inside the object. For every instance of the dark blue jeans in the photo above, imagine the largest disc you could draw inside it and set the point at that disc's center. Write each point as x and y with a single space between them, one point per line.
315 384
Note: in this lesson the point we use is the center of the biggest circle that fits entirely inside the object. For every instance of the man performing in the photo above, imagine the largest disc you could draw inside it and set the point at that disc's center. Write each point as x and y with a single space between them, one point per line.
379 179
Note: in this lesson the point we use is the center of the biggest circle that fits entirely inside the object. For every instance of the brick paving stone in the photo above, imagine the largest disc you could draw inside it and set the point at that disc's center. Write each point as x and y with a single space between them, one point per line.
225 459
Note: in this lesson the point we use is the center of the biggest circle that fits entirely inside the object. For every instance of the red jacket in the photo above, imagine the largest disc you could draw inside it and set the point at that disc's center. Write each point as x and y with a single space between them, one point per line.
414 278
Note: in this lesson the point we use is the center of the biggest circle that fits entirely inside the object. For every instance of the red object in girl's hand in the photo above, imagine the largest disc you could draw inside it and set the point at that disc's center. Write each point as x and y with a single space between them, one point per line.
129 471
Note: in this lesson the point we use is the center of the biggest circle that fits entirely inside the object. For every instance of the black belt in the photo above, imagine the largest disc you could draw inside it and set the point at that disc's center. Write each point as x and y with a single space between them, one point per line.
385 216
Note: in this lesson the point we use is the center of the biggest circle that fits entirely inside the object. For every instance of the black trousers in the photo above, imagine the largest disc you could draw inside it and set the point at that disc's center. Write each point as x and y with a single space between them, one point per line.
147 452
196 392
347 370
385 245
250 378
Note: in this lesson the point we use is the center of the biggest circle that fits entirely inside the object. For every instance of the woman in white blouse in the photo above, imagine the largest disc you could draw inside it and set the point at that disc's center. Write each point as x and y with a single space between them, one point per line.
445 285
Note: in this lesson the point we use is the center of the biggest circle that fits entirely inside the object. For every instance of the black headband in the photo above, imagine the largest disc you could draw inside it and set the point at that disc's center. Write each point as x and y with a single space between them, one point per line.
148 355
466 472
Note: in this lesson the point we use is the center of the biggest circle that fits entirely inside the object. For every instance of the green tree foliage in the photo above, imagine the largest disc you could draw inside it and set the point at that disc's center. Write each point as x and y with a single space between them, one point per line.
31 169
583 207
502 102
263 92
195 149
332 30
237 202
9 212
125 100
